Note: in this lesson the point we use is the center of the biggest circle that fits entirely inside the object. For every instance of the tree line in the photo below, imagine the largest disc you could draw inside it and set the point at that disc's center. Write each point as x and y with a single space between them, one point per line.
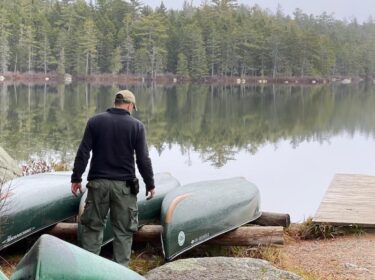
218 38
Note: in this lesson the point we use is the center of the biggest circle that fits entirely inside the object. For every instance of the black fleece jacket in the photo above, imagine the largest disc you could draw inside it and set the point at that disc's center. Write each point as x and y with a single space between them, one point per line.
113 137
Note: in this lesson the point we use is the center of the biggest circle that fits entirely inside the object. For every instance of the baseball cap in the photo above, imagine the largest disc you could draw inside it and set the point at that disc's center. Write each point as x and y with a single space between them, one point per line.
126 96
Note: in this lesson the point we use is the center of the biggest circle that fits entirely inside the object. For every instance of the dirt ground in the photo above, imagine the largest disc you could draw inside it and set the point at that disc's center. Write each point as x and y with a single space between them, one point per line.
342 258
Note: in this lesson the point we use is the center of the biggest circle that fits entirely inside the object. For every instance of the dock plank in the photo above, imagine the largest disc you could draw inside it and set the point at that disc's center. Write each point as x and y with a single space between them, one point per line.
349 200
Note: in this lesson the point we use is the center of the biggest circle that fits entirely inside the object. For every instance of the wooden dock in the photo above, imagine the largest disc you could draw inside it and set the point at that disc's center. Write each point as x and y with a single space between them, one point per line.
349 200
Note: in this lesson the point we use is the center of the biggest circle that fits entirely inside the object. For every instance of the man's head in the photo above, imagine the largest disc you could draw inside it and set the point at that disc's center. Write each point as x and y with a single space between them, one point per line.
125 99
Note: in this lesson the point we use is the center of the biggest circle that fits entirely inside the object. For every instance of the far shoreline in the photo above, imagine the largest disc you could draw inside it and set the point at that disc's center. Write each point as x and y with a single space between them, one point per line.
171 79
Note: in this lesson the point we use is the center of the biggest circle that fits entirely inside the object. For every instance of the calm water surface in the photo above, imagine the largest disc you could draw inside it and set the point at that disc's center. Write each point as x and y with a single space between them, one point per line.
289 141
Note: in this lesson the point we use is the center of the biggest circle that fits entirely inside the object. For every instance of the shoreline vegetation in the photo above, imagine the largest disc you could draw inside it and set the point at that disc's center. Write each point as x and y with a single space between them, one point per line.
169 79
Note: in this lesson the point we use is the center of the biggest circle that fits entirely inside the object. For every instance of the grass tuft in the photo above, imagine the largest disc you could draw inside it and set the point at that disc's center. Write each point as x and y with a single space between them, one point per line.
306 275
142 261
61 166
268 253
310 230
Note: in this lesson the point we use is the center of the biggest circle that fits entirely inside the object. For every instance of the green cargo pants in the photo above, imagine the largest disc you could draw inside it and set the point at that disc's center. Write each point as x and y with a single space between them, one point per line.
104 195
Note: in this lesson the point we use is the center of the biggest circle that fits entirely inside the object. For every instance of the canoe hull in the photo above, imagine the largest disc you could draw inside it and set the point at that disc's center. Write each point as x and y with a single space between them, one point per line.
54 259
2 276
35 202
148 210
201 211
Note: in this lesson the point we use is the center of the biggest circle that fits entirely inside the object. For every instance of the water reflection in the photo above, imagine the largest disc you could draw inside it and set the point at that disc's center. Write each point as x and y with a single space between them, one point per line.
214 121
289 141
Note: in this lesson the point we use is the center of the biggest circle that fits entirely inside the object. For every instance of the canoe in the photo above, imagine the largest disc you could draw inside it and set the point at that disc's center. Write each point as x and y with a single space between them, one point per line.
2 276
195 213
54 259
148 210
35 202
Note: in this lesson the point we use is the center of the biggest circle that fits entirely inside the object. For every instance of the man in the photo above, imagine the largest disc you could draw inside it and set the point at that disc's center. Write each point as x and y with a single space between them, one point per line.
113 137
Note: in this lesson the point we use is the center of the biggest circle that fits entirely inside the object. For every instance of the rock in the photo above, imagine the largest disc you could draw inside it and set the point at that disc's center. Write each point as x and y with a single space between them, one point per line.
68 79
220 268
356 267
8 167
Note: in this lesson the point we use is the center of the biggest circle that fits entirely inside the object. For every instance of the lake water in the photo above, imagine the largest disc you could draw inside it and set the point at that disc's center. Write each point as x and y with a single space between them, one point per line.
289 141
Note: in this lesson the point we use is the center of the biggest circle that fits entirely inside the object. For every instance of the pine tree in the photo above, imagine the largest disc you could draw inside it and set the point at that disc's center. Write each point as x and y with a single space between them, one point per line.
116 64
198 60
151 34
142 61
26 48
61 62
128 53
182 65
4 42
127 43
88 44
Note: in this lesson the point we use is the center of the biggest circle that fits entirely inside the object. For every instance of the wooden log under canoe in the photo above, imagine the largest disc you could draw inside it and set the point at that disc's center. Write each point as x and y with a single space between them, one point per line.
272 219
243 236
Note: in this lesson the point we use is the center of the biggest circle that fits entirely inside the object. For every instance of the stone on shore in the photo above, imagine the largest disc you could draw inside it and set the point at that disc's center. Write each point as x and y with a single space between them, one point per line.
220 268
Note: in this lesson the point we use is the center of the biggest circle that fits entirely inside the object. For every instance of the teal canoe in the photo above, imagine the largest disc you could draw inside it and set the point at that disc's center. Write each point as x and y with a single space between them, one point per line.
53 259
195 213
32 203
148 210
2 276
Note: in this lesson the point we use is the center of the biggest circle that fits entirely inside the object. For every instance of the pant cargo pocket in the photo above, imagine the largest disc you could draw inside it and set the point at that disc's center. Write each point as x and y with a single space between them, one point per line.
133 220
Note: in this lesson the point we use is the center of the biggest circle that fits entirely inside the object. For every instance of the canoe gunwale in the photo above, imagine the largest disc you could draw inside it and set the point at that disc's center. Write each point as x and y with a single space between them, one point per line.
2 247
204 240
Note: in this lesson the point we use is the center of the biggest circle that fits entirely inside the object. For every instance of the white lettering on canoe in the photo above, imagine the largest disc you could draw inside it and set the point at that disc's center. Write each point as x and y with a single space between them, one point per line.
200 238
13 237
181 238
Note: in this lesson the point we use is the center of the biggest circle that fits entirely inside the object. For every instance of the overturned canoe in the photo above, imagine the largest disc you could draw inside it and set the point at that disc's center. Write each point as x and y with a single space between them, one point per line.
54 259
195 213
148 210
35 202
2 276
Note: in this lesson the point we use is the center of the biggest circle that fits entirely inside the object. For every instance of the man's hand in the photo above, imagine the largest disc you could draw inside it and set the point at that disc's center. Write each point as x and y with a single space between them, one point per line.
150 194
75 187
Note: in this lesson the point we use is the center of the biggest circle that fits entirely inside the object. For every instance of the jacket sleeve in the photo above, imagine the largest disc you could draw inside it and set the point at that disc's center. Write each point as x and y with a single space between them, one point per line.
83 155
143 159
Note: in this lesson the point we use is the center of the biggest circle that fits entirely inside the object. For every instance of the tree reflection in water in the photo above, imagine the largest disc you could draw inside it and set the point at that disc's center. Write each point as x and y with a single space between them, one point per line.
215 121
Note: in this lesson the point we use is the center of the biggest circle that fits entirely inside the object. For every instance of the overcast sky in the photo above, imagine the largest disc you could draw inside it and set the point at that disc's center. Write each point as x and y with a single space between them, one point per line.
342 9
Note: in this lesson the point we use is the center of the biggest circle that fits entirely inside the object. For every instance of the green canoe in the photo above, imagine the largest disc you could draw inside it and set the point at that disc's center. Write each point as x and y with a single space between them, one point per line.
32 203
2 276
195 213
149 210
53 259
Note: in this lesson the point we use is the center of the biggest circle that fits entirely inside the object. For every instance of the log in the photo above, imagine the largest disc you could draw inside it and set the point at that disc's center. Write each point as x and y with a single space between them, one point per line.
148 233
243 236
64 230
251 236
273 219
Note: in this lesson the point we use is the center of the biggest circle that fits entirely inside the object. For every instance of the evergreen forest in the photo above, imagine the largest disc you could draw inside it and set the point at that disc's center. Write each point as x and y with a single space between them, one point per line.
217 38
